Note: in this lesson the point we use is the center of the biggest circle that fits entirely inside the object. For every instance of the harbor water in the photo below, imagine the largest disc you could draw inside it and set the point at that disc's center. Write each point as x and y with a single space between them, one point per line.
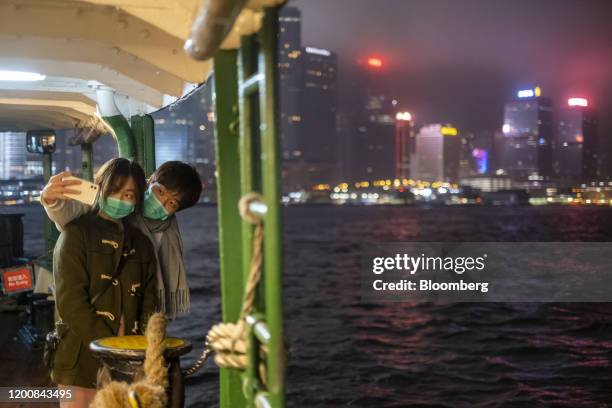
343 351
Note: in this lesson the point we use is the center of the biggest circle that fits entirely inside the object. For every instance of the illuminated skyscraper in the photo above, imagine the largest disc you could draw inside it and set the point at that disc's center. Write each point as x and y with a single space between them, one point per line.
318 105
308 108
12 155
526 150
404 144
373 141
576 145
290 75
438 152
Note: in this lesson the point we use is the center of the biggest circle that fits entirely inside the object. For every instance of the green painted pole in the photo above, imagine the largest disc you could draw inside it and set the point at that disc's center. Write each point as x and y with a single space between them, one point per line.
270 157
123 135
225 97
250 178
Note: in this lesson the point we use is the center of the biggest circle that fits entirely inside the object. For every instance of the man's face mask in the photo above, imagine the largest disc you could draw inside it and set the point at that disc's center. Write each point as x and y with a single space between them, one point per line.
116 208
153 208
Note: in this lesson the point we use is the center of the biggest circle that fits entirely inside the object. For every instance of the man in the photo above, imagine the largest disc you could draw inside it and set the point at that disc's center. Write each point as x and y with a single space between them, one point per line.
173 187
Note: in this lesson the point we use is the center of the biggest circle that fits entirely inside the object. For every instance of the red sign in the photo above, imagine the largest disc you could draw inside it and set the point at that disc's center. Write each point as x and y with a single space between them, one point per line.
17 279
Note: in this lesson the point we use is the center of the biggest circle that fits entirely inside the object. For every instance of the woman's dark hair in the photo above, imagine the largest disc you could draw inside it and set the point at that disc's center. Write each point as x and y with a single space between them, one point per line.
181 178
113 174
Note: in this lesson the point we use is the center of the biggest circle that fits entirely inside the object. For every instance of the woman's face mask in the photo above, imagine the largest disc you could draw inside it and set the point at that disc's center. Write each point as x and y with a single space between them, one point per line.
116 208
152 207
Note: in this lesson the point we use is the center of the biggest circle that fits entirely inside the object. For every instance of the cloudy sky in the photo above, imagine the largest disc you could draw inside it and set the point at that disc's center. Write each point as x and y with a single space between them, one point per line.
459 60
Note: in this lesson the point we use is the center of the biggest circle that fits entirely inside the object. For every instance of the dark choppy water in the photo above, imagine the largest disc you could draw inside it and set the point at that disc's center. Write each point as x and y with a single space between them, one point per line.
347 352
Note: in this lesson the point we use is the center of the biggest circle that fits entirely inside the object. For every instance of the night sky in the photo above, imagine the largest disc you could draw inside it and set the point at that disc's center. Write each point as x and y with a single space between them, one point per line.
458 60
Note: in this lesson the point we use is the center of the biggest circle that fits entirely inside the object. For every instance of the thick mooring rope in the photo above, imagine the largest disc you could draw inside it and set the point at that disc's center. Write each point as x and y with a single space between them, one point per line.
228 340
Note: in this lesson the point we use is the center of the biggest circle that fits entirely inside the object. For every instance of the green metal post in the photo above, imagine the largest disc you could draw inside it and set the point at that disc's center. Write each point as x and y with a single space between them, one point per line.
270 158
246 89
123 135
260 171
87 160
225 98
249 175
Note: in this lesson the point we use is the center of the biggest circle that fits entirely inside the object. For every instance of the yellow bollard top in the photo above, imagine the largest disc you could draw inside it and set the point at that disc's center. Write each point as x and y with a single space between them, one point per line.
134 347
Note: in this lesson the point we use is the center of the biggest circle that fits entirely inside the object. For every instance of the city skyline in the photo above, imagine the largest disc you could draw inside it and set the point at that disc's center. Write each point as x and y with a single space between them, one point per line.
459 62
308 95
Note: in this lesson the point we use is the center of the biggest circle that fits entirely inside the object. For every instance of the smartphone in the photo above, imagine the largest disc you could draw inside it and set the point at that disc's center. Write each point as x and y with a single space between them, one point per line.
89 191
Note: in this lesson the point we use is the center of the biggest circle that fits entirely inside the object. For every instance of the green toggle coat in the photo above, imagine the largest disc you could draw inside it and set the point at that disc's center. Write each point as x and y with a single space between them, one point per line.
85 258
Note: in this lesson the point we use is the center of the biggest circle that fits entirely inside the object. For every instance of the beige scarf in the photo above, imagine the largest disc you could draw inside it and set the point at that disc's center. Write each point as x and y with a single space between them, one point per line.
172 286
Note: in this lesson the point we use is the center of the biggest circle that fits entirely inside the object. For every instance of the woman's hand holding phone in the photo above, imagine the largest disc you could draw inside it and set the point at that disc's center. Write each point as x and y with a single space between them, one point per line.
59 185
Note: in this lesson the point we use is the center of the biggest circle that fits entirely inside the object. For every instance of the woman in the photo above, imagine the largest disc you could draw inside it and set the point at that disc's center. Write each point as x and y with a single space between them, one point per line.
91 302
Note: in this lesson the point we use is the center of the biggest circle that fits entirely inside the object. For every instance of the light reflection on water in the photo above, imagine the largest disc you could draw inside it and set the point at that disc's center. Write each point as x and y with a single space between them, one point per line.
424 354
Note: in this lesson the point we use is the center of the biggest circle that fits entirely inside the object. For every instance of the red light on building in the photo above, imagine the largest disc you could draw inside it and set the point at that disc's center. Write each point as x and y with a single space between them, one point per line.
375 62
579 138
577 102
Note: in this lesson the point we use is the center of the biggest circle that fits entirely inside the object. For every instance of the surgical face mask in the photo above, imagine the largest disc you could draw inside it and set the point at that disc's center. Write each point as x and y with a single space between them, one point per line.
153 208
116 208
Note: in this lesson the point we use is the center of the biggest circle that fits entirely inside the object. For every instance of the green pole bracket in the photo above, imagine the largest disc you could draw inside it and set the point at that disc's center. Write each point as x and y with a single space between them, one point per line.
225 97
123 135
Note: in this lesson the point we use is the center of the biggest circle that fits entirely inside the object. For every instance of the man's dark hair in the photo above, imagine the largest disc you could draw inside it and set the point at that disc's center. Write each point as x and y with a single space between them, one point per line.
113 174
182 178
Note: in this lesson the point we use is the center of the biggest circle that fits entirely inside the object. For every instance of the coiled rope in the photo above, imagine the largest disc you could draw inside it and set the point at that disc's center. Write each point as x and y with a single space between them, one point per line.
228 340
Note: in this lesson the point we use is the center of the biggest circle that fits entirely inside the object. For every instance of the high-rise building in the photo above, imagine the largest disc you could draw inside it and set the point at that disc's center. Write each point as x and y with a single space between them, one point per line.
310 142
377 140
290 80
576 153
12 155
373 142
318 105
438 154
526 150
308 108
185 132
405 144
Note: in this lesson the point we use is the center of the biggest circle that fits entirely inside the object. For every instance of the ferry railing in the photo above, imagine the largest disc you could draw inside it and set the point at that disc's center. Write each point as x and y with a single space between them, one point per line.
248 151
